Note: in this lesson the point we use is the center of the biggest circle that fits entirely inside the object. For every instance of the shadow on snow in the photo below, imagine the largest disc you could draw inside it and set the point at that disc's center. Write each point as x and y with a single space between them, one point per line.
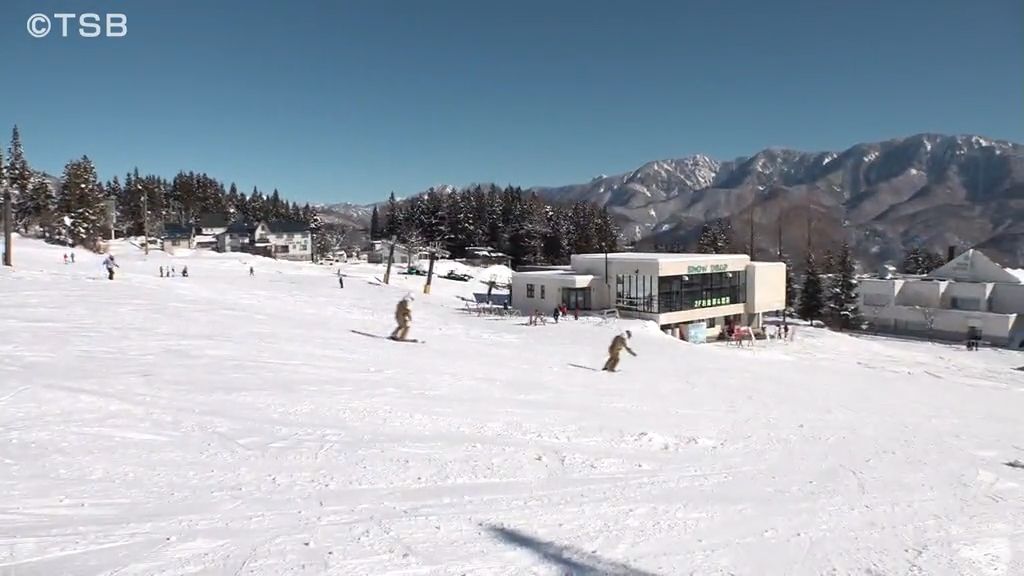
575 561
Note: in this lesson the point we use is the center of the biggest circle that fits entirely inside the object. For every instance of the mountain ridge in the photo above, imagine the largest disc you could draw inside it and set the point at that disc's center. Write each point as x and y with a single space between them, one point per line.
929 190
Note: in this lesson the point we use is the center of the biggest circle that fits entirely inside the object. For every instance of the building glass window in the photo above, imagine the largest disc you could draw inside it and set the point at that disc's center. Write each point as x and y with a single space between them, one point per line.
529 290
576 298
676 293
542 291
636 292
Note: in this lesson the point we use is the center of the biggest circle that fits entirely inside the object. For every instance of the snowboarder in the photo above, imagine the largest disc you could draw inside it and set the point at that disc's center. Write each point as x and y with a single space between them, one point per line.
161 271
65 259
619 343
403 316
341 281
558 312
184 271
110 265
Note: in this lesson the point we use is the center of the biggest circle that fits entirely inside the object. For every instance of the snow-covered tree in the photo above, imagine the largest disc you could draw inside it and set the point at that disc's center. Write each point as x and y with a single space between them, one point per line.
19 175
715 237
812 296
34 209
80 204
842 292
918 261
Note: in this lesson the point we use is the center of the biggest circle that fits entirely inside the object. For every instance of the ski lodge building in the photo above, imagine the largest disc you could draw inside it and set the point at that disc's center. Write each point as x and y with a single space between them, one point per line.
690 296
969 297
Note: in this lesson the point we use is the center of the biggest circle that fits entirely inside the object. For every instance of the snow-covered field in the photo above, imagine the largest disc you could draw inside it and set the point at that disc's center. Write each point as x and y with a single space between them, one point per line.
222 424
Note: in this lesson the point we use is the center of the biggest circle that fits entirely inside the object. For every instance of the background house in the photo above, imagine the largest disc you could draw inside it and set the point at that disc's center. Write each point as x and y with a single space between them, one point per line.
208 227
237 237
969 297
378 253
283 239
485 256
177 237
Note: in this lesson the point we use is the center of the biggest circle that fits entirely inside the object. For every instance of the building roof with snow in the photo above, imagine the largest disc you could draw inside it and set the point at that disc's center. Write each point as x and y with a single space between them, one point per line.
973 266
174 231
286 226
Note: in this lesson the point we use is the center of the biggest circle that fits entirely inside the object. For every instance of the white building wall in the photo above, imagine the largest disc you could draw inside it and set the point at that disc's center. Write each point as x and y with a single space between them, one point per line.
766 287
927 293
1007 299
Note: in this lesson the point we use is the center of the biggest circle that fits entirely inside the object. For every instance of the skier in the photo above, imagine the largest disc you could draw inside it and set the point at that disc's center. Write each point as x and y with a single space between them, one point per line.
184 271
161 271
251 271
575 313
172 270
72 257
403 317
557 313
65 259
341 281
619 343
110 265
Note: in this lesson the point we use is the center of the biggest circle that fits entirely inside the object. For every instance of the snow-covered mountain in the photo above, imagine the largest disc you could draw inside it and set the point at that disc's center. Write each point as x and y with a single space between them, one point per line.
928 189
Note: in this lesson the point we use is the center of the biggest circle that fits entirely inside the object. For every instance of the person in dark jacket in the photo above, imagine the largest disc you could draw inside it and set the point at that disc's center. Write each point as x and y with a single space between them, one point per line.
341 281
619 343
403 316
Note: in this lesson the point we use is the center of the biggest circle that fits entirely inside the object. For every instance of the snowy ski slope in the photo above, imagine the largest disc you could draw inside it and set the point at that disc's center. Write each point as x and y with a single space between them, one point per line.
222 424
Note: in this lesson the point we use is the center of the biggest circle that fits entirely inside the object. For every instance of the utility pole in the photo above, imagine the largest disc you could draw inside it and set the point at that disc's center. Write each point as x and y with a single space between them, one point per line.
780 241
751 233
391 257
7 214
145 219
430 272
7 226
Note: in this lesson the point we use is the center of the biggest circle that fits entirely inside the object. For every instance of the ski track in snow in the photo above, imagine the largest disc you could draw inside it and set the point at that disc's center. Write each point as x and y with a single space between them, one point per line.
222 424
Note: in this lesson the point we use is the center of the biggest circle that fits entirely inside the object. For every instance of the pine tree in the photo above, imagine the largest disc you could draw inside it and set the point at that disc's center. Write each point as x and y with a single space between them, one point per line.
812 297
35 208
395 224
19 175
723 236
707 241
842 292
375 224
80 204
912 261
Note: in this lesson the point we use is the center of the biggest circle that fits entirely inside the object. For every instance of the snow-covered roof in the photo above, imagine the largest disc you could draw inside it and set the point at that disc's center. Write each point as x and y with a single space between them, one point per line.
659 257
973 266
1018 272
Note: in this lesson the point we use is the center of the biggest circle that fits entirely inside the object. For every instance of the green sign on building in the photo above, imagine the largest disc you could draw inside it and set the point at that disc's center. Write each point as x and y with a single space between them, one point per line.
709 302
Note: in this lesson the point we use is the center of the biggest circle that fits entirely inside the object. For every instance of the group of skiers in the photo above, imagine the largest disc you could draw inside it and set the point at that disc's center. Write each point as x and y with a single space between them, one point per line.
560 311
72 258
170 272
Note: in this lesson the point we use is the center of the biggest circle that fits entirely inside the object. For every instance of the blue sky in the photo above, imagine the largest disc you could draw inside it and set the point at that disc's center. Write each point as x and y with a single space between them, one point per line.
347 100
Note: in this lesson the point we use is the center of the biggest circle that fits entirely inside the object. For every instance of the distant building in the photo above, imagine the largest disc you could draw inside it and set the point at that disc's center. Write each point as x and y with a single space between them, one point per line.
691 296
275 239
237 237
283 239
379 249
969 297
484 256
208 227
177 237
